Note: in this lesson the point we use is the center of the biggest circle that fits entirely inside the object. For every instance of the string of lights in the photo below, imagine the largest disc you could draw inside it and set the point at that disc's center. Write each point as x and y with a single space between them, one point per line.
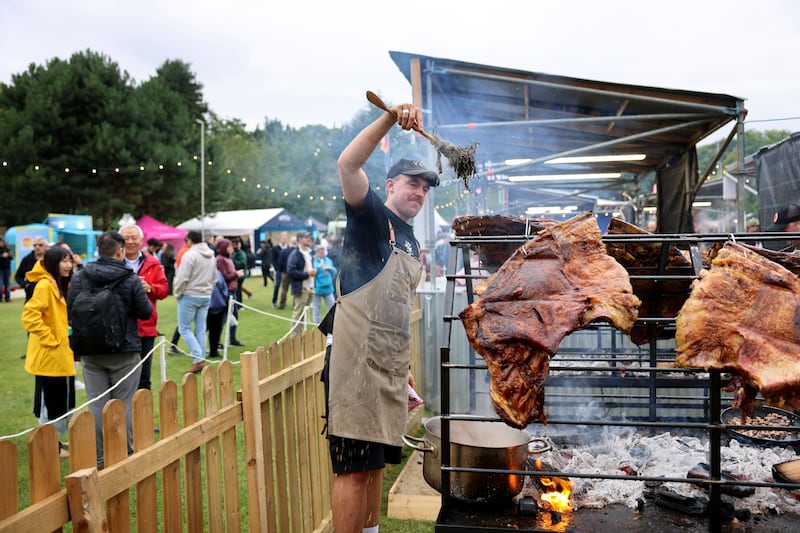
119 171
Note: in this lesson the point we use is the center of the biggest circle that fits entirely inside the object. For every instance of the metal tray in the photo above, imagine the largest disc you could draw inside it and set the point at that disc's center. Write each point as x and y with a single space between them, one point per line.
792 437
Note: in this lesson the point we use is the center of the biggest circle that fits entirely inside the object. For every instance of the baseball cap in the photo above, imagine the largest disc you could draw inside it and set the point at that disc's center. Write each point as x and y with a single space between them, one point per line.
785 216
412 167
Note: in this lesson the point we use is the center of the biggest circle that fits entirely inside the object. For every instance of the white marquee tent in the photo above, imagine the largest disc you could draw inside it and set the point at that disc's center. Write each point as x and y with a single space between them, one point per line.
245 222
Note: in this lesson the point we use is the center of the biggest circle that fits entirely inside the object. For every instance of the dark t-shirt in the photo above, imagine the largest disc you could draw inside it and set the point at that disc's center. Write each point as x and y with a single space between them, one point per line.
366 242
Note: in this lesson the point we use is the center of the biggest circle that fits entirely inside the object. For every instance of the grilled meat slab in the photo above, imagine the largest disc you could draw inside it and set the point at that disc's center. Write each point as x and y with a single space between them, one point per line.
494 254
743 316
659 298
554 284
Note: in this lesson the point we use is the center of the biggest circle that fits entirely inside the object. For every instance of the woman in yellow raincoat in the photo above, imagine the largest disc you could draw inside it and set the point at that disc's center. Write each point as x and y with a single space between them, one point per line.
49 356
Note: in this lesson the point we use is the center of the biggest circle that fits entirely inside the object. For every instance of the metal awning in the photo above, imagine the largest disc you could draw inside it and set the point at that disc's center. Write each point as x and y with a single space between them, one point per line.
537 117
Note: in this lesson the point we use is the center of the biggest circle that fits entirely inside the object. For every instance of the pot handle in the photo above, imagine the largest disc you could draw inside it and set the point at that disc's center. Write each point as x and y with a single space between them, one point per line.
540 445
416 443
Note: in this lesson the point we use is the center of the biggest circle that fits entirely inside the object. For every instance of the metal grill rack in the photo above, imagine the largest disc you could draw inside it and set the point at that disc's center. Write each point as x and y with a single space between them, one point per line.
637 391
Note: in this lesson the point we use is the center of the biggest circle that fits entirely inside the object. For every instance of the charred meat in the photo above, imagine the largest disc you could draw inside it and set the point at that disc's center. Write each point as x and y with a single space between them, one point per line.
659 298
494 252
743 316
554 284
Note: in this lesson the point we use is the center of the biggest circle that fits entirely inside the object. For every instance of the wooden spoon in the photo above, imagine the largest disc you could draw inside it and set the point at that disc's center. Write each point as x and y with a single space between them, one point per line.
460 158
377 102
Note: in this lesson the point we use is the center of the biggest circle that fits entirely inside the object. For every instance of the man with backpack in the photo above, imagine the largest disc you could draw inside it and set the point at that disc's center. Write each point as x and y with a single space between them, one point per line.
103 303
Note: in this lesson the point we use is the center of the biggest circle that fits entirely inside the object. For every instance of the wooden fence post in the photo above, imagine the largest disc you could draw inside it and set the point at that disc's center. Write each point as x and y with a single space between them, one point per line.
9 476
86 502
253 444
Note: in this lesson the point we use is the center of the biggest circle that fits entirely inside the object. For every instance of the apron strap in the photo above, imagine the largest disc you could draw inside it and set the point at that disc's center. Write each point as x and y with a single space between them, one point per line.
392 241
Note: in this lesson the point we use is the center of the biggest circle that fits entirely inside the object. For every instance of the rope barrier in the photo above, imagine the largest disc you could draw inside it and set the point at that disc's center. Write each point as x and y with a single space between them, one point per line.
68 414
162 346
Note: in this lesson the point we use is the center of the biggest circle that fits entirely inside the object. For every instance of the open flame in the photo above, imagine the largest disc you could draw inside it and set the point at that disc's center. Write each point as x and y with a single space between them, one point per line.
555 491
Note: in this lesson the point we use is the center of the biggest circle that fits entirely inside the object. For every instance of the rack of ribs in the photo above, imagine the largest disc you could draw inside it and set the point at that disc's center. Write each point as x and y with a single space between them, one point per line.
743 316
558 282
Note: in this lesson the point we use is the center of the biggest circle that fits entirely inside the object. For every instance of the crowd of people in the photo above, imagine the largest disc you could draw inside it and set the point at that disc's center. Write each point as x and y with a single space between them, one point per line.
201 275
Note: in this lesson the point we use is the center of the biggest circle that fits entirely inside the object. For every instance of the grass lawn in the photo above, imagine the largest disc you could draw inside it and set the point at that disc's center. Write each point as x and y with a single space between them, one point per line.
258 327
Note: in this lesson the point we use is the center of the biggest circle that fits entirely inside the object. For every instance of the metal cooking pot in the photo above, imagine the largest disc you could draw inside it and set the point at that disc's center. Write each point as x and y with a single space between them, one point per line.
477 444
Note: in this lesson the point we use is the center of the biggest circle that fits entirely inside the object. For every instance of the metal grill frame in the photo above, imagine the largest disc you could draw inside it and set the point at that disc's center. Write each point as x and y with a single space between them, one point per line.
463 247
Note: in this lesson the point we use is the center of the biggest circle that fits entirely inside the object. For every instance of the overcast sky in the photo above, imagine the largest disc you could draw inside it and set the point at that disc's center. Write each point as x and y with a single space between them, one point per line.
310 62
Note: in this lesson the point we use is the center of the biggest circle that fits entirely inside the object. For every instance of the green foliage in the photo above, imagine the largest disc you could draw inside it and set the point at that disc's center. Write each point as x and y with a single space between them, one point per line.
89 129
753 141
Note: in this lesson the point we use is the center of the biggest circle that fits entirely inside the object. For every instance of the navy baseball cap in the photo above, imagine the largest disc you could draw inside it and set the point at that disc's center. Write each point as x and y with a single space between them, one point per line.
412 167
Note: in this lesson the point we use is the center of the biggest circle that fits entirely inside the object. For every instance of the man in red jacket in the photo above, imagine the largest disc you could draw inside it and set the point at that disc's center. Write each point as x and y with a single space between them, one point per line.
155 285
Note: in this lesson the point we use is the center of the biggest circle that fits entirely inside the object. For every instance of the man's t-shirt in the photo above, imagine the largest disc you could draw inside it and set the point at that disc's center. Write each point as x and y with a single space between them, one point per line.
366 242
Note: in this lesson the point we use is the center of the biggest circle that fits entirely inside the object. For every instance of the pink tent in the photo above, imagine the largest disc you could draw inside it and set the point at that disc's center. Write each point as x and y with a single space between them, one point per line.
161 231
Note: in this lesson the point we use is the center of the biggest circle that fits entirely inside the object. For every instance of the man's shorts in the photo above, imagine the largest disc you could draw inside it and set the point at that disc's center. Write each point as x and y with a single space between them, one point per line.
349 455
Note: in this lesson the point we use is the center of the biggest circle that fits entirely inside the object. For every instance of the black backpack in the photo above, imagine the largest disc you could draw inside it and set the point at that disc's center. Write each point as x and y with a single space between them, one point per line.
98 326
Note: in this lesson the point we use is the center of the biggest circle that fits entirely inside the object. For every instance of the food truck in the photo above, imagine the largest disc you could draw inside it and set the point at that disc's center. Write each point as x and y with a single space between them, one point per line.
75 230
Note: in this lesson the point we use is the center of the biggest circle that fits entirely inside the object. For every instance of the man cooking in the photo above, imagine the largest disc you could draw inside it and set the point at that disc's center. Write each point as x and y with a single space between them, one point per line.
367 372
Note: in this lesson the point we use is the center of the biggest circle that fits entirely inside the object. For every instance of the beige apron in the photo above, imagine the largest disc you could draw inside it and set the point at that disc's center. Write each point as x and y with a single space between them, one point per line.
370 354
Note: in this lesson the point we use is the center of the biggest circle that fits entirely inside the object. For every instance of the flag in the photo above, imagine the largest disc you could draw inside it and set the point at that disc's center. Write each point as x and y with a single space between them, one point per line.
387 158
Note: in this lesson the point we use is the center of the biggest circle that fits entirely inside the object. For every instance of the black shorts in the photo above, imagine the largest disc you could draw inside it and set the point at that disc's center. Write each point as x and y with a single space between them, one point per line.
349 455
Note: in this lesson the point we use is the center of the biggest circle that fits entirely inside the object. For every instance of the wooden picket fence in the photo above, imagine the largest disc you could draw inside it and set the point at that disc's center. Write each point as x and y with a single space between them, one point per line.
283 460
286 464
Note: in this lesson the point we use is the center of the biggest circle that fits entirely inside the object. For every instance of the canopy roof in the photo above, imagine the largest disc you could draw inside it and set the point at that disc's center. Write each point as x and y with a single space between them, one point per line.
517 114
245 221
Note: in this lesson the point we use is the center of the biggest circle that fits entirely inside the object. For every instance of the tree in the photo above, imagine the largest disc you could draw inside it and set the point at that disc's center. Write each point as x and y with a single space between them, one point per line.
68 118
82 138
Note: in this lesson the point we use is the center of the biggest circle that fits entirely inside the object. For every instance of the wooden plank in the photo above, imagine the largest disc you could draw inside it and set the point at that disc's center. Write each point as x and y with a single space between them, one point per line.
264 357
171 504
43 468
304 432
44 471
9 478
83 444
325 469
143 438
86 502
410 498
230 461
193 481
48 514
213 474
291 352
115 478
254 451
283 379
277 416
115 450
314 424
